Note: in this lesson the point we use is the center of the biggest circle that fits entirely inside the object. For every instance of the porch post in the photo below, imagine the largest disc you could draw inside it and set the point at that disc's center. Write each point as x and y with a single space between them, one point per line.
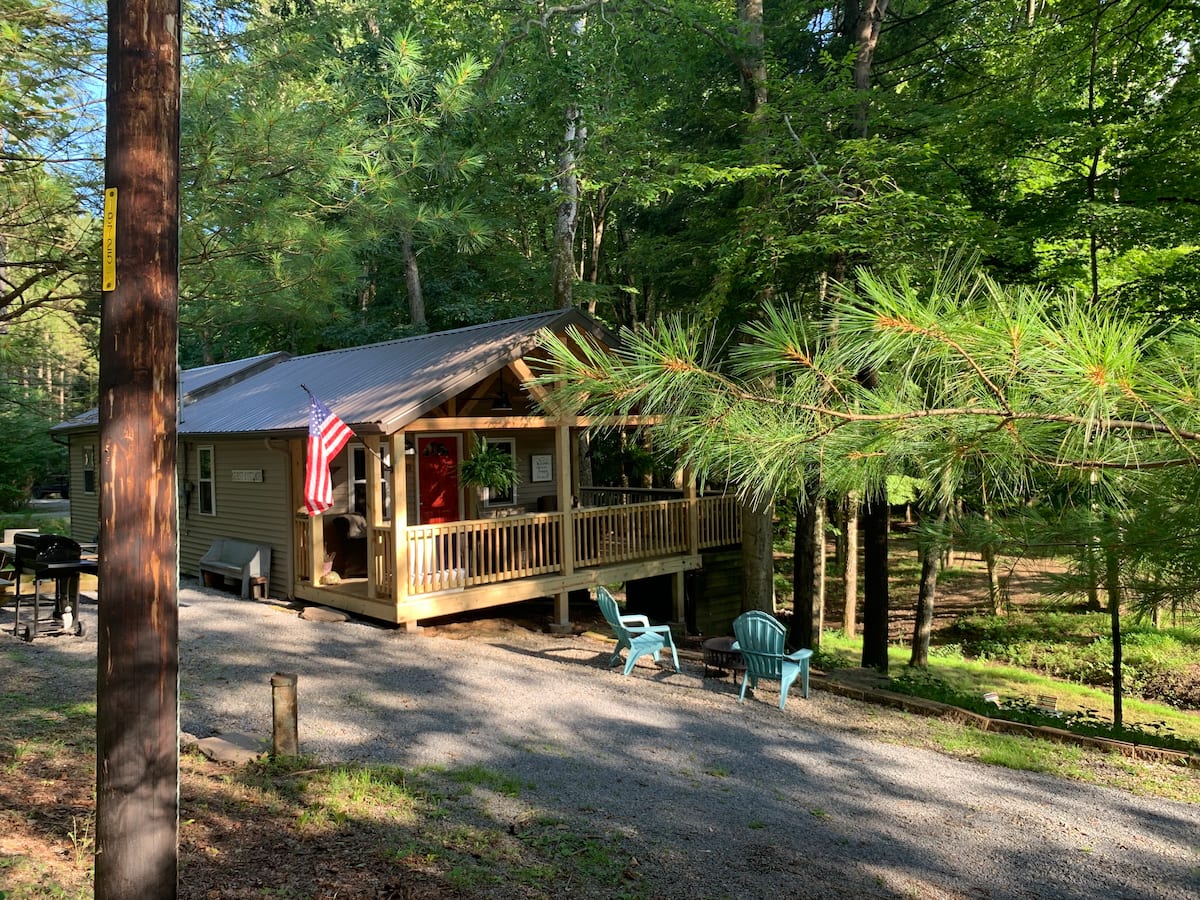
374 511
565 468
399 547
316 541
316 534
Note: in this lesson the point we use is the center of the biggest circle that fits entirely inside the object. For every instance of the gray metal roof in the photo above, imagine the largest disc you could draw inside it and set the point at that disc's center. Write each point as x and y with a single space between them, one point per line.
193 383
376 388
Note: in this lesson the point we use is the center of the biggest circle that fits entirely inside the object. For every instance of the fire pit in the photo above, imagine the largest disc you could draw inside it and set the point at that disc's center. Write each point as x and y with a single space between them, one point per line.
720 655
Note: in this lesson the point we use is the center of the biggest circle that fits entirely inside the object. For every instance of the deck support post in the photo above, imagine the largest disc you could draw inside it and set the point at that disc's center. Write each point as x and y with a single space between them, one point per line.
565 471
678 583
678 596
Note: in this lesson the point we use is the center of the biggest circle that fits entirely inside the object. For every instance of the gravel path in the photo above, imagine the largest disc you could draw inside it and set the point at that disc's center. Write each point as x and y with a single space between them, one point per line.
732 801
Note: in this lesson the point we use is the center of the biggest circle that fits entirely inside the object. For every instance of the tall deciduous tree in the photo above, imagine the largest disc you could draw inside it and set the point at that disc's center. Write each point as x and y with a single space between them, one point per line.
47 145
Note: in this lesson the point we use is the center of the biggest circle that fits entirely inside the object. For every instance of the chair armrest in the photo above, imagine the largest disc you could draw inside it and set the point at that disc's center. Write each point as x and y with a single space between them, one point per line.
798 656
636 621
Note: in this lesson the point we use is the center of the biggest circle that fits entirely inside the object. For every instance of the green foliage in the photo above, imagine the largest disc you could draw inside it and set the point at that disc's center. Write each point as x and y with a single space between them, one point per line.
1020 709
1078 647
974 380
27 453
488 467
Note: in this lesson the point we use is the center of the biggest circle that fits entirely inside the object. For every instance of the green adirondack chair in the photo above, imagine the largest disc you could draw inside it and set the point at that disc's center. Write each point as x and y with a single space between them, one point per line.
635 633
760 638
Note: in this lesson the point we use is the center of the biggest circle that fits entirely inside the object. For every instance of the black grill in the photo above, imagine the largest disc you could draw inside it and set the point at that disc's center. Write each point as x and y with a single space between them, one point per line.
37 549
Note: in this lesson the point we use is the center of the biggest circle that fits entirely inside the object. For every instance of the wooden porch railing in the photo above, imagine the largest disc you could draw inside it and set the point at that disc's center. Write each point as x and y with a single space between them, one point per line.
720 521
383 561
625 496
482 551
458 555
615 534
300 530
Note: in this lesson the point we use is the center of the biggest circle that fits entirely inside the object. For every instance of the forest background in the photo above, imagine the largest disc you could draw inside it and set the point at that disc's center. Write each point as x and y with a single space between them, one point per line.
355 172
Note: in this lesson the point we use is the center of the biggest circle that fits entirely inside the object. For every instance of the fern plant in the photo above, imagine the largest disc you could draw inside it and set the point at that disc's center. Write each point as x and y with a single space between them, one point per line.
488 467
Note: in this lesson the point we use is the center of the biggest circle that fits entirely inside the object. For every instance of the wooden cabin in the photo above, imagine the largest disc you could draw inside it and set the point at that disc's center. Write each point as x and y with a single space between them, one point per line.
404 541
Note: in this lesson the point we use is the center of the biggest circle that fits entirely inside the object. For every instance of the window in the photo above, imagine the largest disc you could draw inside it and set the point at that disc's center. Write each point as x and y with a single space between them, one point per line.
89 469
358 480
505 497
206 481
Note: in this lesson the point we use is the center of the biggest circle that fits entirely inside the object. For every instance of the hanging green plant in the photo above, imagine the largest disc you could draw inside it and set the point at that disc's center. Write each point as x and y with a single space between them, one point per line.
488 467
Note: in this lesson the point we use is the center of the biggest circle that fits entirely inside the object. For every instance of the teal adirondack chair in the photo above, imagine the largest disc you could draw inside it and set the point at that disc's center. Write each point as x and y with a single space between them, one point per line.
635 633
760 638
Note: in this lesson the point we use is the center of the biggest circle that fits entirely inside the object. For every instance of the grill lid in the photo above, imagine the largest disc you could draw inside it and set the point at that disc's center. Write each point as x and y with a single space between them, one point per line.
45 548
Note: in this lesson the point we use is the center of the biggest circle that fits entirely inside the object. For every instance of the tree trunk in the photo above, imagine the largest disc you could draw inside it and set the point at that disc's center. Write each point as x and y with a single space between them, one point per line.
1112 567
753 63
412 280
995 595
758 568
137 701
805 612
875 583
931 565
866 37
850 568
819 574
567 218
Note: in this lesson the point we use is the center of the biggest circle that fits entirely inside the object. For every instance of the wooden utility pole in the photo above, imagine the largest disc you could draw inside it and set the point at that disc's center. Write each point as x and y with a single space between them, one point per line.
137 739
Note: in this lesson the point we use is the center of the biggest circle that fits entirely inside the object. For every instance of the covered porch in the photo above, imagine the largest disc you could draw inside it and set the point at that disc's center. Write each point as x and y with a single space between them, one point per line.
421 570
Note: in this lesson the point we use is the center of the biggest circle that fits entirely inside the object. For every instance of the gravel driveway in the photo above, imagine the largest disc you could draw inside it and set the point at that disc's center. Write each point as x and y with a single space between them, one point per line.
731 800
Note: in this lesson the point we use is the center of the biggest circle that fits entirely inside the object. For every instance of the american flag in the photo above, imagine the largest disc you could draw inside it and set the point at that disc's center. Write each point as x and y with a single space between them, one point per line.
327 435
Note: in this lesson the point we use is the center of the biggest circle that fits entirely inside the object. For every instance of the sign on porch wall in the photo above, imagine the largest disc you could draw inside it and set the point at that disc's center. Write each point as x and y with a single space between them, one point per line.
247 474
542 466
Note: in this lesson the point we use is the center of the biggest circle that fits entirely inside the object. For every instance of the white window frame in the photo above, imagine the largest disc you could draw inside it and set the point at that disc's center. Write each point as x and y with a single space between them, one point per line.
210 480
356 477
511 498
89 465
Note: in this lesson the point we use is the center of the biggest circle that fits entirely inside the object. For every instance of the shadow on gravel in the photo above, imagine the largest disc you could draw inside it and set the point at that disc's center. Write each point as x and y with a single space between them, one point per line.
656 784
696 794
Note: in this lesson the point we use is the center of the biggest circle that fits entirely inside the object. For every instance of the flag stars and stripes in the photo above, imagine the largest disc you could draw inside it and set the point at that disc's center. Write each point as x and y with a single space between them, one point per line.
327 435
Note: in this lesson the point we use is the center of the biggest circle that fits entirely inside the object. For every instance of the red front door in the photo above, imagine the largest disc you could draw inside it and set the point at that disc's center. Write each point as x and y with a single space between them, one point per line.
437 479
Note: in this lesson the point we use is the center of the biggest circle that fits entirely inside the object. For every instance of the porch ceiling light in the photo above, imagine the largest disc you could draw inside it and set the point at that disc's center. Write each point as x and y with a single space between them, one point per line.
502 403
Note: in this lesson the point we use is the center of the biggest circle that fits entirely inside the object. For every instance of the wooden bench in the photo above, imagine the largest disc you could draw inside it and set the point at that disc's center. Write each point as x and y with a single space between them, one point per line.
1047 703
240 561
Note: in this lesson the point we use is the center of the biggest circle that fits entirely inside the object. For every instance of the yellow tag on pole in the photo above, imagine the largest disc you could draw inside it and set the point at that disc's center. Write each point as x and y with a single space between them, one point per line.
108 267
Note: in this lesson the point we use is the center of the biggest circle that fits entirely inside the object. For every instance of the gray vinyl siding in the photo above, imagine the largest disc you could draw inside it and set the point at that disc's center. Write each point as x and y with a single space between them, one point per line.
250 511
258 512
528 491
85 508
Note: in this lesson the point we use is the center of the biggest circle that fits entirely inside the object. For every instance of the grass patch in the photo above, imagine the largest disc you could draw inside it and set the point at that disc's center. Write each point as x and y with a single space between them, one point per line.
1013 752
962 681
36 522
478 776
1078 647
